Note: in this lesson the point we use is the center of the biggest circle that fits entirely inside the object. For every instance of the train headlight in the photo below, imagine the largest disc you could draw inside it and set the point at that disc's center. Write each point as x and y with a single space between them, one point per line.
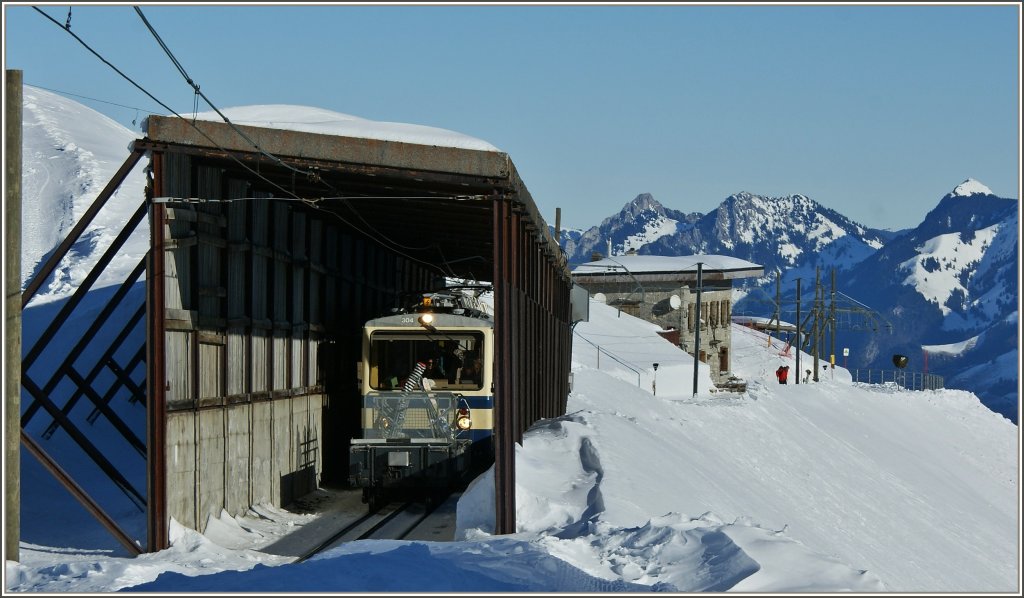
462 420
426 319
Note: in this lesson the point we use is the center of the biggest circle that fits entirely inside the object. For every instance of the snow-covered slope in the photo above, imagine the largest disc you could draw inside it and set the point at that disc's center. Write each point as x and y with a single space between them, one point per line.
70 154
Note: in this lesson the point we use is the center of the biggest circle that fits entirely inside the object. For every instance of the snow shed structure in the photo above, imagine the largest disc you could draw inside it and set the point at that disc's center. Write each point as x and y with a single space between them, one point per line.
663 290
269 249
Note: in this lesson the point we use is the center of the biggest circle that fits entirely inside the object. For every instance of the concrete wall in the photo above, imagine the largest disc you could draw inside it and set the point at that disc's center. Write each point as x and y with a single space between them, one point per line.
246 454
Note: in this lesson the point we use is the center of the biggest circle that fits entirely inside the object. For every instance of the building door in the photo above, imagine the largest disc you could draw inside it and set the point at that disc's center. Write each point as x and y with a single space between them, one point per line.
723 360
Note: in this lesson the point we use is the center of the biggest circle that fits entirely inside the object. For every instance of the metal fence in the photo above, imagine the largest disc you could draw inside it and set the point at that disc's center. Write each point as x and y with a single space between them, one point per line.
902 378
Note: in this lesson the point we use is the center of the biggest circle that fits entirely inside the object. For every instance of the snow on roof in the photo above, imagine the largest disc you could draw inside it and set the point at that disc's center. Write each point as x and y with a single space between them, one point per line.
971 187
650 264
763 322
309 119
952 349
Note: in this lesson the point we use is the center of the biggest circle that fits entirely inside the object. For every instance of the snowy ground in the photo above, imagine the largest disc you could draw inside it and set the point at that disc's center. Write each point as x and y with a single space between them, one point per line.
821 487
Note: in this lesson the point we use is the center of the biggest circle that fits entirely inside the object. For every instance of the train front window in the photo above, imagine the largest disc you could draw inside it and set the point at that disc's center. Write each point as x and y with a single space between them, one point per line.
452 361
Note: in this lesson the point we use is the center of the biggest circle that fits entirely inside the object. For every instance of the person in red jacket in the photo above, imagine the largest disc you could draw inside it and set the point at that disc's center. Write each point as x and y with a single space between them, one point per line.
782 373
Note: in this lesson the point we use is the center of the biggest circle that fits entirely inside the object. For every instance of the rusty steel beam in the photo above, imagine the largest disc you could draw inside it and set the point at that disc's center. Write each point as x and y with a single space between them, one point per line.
126 432
88 447
156 376
58 254
122 374
504 391
123 380
83 288
532 334
80 494
79 347
520 323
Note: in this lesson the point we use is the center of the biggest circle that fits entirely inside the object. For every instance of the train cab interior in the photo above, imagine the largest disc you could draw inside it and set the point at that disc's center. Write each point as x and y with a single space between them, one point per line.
449 361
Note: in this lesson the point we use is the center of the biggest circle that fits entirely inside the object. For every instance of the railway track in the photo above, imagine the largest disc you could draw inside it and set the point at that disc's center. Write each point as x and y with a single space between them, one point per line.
393 521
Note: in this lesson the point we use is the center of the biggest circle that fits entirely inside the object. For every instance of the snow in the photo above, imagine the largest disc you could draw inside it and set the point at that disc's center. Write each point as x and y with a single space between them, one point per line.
753 320
653 230
826 232
952 349
327 122
662 263
789 250
951 256
642 485
971 187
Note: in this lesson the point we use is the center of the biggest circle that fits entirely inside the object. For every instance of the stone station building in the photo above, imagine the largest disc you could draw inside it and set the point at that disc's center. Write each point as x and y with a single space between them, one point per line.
663 290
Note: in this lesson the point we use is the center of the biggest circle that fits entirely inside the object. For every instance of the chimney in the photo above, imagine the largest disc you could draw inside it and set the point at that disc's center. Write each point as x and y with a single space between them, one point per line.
596 256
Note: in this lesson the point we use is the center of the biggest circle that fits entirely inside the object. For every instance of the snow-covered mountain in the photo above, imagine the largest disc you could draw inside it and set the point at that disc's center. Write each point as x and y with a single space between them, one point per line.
641 222
790 234
952 278
952 281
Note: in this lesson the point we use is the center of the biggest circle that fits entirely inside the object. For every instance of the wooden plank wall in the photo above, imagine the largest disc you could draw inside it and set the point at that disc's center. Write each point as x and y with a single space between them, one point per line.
254 288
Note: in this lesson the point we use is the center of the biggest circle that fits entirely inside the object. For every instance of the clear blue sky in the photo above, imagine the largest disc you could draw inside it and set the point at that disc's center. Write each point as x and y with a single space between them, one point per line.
876 111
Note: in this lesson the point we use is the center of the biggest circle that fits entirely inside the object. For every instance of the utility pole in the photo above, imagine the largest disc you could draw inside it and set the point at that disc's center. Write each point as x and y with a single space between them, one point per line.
817 315
558 226
778 303
797 345
12 328
696 327
832 322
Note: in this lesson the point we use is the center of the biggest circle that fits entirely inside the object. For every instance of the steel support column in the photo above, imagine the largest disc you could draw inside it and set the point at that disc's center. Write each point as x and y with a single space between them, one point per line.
532 340
156 376
504 371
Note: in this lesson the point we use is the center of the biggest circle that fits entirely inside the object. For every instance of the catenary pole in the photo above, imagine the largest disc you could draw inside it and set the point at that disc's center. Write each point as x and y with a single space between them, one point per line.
832 324
798 327
816 325
696 327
